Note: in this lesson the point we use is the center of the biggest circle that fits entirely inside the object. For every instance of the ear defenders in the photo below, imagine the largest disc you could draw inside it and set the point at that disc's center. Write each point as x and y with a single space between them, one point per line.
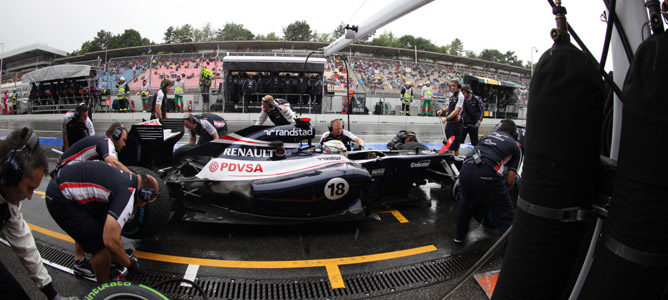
193 119
331 125
11 171
117 133
146 195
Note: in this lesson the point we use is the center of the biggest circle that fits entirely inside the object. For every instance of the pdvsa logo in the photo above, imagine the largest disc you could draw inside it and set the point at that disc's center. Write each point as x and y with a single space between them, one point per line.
213 166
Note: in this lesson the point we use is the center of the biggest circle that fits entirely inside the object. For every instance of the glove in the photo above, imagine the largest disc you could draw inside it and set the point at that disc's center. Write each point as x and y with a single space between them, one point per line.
50 292
135 266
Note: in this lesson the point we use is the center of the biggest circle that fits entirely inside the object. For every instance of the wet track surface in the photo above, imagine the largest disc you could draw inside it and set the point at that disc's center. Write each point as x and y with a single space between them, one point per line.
393 238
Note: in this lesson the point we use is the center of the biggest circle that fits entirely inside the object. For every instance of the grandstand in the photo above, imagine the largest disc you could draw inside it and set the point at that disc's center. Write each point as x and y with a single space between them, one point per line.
379 71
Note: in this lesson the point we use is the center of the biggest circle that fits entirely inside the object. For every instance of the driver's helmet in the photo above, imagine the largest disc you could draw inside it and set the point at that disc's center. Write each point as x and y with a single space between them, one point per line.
334 147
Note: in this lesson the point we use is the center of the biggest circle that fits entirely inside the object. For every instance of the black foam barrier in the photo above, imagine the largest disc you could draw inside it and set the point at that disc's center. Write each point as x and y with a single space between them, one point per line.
562 153
638 214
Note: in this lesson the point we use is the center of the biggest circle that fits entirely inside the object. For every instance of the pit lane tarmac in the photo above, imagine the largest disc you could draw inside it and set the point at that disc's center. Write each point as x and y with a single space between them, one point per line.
399 248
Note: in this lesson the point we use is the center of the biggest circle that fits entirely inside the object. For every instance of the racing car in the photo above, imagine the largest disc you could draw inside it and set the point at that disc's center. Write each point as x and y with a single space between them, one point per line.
270 175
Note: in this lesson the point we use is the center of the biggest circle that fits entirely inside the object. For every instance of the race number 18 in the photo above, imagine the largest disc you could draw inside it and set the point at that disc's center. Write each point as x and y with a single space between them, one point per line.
336 188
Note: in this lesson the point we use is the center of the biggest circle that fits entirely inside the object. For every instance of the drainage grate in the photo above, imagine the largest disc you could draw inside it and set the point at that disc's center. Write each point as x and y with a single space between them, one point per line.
370 284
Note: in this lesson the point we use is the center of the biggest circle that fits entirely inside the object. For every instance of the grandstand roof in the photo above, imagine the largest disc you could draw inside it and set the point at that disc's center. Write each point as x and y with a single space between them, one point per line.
13 59
254 45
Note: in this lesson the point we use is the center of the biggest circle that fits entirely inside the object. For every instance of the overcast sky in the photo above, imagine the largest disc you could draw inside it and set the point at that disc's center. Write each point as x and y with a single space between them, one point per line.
516 25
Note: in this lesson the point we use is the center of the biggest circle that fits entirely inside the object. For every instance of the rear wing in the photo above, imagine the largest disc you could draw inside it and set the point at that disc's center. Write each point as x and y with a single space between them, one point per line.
151 146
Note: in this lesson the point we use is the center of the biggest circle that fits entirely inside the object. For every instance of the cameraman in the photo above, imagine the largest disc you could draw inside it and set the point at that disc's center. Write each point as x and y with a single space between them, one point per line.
277 110
24 164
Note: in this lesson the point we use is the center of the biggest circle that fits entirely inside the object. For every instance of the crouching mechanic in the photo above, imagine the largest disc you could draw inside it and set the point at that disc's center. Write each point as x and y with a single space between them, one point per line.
277 110
94 148
337 132
207 125
91 201
24 164
481 179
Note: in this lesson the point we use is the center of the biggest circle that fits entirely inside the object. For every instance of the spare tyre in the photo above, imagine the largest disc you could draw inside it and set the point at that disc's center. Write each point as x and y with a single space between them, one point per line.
147 221
124 290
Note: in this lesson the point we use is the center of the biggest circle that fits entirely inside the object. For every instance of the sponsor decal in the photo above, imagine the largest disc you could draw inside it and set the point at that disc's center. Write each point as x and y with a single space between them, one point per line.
219 124
289 132
329 157
421 164
336 188
377 172
213 166
250 152
151 122
241 167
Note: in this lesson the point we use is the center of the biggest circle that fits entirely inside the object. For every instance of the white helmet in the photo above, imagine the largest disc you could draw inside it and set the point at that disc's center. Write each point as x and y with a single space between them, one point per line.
122 78
334 147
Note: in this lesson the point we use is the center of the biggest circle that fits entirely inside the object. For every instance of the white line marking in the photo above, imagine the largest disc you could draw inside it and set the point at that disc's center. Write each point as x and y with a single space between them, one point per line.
191 273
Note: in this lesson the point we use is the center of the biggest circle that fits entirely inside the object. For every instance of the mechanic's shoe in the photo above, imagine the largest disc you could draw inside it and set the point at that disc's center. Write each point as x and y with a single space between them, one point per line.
118 273
83 268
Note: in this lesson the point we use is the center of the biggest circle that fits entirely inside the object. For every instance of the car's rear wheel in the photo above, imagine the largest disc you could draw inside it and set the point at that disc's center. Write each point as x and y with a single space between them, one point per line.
147 221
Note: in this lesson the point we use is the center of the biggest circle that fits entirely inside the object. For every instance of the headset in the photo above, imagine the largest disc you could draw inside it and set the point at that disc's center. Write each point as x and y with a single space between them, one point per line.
459 84
117 133
515 135
81 107
193 119
146 194
331 125
11 171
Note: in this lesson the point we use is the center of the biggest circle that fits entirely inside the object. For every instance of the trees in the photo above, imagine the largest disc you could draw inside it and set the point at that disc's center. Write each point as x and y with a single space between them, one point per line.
169 35
492 55
339 31
106 40
386 39
322 37
456 47
269 37
297 31
205 34
234 32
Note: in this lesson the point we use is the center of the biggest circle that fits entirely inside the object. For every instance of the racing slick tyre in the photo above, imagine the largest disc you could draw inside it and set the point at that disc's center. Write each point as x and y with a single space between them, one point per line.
147 221
181 151
124 290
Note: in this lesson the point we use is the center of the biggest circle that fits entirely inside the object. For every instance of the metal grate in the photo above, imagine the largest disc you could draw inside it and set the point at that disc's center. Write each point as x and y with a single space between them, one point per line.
369 284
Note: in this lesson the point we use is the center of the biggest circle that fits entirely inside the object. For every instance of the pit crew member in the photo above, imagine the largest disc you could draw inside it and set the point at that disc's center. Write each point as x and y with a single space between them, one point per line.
208 126
159 102
277 110
104 148
405 140
453 117
471 115
91 201
482 182
23 166
76 125
337 132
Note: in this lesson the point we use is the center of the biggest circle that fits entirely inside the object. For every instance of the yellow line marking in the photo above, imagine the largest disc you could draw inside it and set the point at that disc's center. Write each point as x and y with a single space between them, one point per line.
396 214
335 278
51 233
330 264
41 193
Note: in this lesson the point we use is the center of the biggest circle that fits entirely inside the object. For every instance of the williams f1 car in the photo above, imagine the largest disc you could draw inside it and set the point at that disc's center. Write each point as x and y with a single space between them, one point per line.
271 175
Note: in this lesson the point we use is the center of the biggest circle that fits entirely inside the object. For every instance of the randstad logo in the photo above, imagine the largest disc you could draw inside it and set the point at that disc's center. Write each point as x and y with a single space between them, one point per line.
289 132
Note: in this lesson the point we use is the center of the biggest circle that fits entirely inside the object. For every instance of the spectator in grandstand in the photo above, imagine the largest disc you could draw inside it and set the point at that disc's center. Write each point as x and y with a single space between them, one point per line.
452 120
427 97
159 102
76 125
97 225
144 91
471 115
123 95
179 86
24 166
482 179
207 125
277 110
406 99
204 86
337 132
